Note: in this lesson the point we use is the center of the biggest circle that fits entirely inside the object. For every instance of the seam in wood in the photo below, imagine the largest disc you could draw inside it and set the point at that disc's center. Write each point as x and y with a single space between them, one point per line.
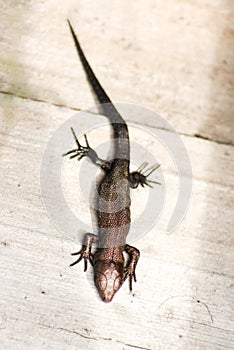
196 135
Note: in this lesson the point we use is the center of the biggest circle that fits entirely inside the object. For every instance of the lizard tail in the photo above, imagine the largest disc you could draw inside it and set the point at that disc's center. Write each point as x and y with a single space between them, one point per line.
108 109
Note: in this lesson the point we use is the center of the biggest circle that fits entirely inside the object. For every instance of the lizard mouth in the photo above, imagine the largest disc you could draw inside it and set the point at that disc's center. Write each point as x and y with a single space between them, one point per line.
107 297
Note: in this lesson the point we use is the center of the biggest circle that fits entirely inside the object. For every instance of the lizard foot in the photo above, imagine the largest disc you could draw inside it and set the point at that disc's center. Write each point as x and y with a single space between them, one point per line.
139 177
85 253
82 151
131 274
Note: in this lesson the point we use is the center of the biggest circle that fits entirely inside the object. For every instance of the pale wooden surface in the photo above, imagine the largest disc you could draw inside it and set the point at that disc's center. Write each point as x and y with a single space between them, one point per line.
175 57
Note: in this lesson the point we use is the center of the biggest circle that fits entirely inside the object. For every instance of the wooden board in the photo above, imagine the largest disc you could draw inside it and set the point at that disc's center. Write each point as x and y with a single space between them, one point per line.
183 298
172 56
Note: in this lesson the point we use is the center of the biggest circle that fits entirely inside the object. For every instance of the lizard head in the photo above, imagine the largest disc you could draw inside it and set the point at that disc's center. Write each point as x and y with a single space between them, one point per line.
109 277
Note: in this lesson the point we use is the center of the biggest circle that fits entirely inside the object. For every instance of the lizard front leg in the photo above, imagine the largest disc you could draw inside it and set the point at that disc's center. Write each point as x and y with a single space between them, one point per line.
85 252
134 254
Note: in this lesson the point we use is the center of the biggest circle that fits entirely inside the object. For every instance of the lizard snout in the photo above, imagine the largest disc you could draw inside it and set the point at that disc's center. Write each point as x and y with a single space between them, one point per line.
108 278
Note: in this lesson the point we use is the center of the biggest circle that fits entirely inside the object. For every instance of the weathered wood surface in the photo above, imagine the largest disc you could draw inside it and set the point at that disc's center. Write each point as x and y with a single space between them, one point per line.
175 57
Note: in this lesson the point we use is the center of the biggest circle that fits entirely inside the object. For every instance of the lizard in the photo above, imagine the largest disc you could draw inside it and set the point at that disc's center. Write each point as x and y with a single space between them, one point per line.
111 269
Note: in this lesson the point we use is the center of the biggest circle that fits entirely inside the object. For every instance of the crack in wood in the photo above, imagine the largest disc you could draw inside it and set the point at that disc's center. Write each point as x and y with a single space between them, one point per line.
92 338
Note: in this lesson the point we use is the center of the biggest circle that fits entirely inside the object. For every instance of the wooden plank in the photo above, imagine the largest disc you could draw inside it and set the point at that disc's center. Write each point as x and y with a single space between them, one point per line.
184 294
175 57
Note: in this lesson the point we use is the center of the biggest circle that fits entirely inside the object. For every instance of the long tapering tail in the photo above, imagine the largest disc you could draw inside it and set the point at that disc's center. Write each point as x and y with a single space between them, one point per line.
108 109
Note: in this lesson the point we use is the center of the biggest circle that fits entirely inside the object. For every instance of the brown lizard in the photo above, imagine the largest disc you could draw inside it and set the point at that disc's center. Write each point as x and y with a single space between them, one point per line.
113 213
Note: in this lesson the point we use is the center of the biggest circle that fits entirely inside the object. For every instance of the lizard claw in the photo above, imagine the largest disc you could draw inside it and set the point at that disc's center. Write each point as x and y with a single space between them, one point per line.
140 177
130 273
84 254
81 151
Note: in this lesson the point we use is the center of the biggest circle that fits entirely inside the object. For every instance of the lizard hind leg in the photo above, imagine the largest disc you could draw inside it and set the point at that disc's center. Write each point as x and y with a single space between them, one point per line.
140 176
81 151
87 151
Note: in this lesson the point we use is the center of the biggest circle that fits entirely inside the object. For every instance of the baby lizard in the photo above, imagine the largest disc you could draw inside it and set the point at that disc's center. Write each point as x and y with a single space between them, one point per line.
113 211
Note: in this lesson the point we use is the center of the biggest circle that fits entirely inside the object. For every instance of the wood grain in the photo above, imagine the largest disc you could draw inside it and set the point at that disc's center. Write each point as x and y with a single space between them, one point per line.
174 57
